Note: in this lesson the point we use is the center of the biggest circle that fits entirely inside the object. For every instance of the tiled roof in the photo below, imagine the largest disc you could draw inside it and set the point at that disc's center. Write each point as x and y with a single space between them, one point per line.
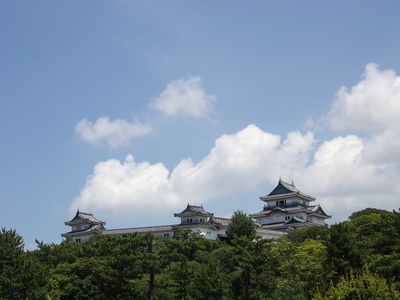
221 221
295 219
263 231
285 225
194 210
84 217
97 228
284 210
138 230
286 188
318 210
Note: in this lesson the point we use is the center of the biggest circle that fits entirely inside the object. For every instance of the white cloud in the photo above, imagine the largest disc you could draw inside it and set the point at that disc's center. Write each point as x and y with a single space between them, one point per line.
345 173
185 97
127 187
350 173
372 105
237 161
347 180
114 133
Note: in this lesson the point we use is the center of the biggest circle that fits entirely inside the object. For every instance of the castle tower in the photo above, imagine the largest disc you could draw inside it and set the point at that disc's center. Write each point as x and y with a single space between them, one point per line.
287 208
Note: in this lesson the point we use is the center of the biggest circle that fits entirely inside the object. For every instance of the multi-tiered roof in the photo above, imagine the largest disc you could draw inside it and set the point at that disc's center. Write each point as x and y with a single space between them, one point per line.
287 208
84 224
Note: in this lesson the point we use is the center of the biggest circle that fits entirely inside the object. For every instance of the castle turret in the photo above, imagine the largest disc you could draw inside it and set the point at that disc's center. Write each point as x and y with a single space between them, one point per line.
83 226
287 208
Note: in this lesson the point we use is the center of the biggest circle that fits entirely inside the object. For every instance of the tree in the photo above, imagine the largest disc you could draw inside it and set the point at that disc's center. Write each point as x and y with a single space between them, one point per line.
359 287
366 212
302 268
87 278
306 233
378 238
344 253
253 273
241 225
21 276
208 281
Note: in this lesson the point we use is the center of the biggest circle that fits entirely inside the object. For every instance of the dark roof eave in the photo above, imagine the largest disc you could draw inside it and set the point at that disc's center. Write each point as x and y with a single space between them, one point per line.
71 223
287 195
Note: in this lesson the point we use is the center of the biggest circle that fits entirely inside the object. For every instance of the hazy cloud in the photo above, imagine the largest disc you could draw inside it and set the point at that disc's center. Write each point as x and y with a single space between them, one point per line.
114 133
185 97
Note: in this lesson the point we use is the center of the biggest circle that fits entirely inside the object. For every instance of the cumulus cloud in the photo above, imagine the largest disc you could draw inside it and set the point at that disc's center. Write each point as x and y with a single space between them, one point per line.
354 172
185 97
236 162
347 180
345 173
114 133
117 187
371 105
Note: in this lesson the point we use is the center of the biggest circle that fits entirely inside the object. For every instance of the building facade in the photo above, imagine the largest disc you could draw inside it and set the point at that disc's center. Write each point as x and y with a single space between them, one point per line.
286 208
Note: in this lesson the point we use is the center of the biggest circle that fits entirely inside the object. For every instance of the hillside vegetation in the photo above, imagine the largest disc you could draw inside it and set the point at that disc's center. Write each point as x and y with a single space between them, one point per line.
355 259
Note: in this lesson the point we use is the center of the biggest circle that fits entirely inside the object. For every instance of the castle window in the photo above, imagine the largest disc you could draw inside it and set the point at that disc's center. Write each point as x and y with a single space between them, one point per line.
78 240
287 218
166 234
281 203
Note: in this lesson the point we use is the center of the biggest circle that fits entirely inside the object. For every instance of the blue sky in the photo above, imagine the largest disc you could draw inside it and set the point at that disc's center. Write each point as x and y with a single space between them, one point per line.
132 109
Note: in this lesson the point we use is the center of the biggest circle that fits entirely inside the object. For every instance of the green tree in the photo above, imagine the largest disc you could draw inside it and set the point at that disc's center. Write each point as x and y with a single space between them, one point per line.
359 287
124 255
241 225
50 255
154 256
208 281
87 278
344 253
366 212
378 239
306 233
302 268
181 274
253 274
21 276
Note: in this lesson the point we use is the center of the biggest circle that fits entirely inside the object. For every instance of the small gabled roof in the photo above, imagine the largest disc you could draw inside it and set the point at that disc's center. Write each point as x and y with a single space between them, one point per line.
295 219
286 188
82 217
193 210
219 221
317 209
97 228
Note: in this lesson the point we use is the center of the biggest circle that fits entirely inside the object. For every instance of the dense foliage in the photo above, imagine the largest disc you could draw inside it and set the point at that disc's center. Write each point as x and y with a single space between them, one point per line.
355 259
241 225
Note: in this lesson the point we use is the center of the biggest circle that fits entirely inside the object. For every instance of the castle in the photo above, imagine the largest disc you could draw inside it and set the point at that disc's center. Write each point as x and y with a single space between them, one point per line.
286 208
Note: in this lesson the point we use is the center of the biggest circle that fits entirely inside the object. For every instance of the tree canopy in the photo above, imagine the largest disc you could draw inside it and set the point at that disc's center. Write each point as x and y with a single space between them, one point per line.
355 259
241 225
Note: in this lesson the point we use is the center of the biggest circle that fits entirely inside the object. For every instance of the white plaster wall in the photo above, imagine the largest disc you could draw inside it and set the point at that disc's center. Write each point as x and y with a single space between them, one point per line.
84 238
163 233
